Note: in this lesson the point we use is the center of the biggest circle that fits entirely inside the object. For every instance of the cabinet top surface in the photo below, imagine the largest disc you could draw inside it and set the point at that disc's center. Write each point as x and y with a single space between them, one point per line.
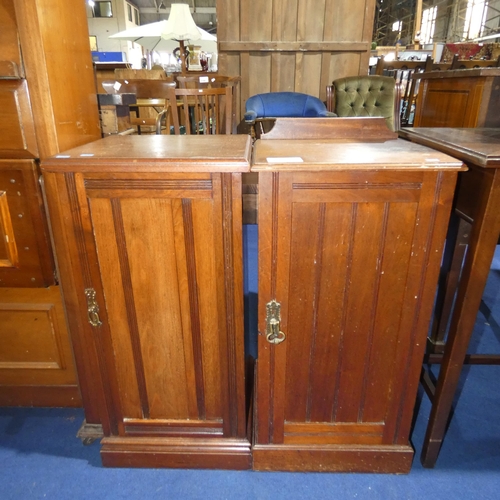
313 154
480 146
211 153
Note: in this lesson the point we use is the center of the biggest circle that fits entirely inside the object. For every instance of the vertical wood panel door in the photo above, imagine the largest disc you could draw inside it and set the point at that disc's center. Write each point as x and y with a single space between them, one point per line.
351 257
153 285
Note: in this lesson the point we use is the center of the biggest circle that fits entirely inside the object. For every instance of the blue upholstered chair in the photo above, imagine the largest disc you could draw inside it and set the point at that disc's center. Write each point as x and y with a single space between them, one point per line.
268 107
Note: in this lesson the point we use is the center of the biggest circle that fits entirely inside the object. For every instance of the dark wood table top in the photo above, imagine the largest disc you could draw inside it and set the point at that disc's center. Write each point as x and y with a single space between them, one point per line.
457 73
480 146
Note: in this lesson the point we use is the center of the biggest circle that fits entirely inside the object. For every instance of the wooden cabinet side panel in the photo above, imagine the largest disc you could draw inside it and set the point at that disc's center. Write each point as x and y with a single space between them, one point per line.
231 269
64 102
63 211
437 195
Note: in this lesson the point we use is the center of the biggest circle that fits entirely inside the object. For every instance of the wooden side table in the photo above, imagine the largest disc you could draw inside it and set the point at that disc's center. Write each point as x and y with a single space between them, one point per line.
478 201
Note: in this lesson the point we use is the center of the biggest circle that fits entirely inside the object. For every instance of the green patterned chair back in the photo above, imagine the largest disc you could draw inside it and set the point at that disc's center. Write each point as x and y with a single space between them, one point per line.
375 96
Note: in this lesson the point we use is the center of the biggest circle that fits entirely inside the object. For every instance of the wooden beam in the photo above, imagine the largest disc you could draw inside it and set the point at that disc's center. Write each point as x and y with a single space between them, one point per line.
294 46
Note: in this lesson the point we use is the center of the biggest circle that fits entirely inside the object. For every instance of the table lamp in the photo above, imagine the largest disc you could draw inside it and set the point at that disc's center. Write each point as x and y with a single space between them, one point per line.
180 27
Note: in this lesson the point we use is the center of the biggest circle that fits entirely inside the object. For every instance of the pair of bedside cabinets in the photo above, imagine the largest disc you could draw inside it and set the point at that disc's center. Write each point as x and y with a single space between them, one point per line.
148 239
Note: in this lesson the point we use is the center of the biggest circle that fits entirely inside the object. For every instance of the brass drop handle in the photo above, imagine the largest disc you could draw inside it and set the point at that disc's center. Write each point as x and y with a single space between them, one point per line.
273 333
92 307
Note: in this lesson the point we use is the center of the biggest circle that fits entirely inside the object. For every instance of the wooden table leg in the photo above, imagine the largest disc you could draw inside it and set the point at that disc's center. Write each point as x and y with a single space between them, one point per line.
483 240
459 238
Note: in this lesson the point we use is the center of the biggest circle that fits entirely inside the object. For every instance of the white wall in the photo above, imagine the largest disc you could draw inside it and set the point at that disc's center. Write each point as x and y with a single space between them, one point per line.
103 27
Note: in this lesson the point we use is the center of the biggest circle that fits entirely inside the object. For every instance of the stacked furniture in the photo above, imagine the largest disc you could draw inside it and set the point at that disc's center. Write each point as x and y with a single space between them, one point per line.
47 105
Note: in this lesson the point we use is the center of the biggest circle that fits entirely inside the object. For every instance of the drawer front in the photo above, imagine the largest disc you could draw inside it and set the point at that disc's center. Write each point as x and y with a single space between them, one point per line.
17 130
25 254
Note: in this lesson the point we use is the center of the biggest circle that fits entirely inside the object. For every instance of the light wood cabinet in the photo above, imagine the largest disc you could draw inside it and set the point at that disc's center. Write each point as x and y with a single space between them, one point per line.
350 242
148 237
47 104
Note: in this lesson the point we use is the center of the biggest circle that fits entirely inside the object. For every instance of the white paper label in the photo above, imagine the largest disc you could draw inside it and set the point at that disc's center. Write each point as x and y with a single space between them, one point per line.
285 159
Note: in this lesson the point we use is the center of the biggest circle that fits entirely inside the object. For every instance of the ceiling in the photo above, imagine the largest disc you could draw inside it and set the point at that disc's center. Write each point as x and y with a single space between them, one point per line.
155 10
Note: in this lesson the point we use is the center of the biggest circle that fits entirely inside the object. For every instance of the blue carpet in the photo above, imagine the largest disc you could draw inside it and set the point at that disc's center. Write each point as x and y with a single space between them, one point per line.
41 458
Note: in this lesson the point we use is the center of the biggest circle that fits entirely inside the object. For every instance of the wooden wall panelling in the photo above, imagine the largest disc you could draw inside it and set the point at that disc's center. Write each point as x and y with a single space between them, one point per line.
36 362
300 39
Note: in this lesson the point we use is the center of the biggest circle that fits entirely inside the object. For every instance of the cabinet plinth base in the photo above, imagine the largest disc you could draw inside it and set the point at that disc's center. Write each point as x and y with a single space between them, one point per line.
56 396
181 453
341 458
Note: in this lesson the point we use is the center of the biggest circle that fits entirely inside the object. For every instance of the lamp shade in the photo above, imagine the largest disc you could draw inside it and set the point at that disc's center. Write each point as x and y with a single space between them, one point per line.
180 24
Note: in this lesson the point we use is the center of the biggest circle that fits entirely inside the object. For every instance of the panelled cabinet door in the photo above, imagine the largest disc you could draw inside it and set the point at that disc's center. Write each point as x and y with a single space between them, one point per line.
159 278
351 258
25 254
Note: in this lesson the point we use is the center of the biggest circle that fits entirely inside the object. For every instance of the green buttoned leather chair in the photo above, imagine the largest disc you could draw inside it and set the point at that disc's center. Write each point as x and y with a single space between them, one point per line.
373 96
